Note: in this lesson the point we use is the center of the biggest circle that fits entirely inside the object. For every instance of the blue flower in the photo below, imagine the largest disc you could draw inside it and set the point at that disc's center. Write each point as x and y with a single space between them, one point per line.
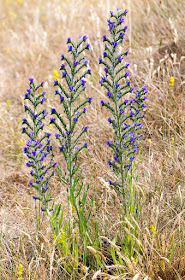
53 111
31 80
61 98
109 93
89 99
85 38
52 120
86 145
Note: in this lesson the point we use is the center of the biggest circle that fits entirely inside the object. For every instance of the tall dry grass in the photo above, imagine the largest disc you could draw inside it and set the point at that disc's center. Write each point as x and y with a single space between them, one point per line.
32 38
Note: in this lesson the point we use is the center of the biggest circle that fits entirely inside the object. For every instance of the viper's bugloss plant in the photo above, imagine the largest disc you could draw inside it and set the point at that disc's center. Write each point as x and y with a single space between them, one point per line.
74 71
126 103
38 148
68 135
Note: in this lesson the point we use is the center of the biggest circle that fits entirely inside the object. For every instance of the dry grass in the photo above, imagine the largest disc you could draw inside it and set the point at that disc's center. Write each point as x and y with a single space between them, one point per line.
32 38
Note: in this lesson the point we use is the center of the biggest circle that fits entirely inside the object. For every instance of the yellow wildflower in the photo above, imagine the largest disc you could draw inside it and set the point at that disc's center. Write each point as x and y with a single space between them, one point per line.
153 230
20 271
56 75
21 142
171 83
173 139
150 141
11 14
7 105
50 126
8 51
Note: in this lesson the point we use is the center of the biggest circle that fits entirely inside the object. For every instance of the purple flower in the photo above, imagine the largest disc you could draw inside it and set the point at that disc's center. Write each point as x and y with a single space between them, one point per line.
83 82
109 93
85 128
108 143
52 120
128 166
121 19
102 102
115 44
104 54
69 40
42 84
121 34
104 37
62 56
84 38
132 158
70 48
106 70
117 85
100 60
48 134
86 145
62 66
109 120
88 46
127 52
127 74
31 80
84 109
120 58
55 164
75 119
89 99
61 148
55 82
75 63
53 111
64 74
89 71
127 65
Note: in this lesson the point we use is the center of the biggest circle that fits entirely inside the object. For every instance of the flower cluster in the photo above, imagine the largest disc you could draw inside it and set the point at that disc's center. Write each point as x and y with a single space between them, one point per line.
38 146
125 104
74 74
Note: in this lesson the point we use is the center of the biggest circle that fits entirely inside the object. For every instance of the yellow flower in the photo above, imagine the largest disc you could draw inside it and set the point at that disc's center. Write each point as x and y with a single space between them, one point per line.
50 126
173 139
56 75
171 83
150 141
20 270
153 230
19 1
11 14
8 51
21 142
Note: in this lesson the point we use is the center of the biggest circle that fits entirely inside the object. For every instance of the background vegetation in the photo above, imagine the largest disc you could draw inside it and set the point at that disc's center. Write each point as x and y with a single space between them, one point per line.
32 38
